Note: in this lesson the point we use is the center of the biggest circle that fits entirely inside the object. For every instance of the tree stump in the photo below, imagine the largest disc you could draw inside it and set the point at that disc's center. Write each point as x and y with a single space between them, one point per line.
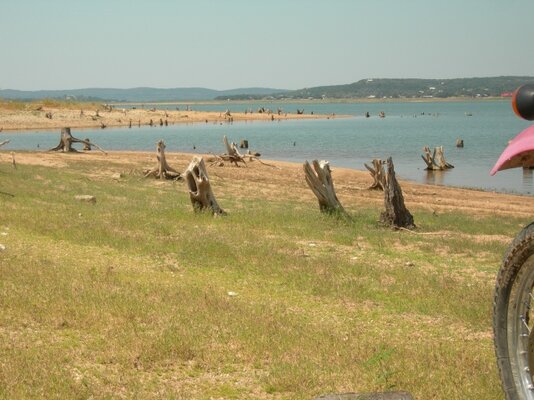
459 142
439 158
66 141
198 183
243 144
163 170
435 161
378 174
321 183
396 214
232 153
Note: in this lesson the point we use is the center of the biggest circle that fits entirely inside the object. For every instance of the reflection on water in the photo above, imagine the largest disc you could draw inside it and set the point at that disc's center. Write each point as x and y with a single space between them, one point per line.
435 177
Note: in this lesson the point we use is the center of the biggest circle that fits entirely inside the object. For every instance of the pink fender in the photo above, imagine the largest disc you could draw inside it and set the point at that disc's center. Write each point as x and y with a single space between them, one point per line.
518 153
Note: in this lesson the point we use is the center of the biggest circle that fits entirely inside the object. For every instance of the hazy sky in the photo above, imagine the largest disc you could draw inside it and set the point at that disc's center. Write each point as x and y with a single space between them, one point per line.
287 44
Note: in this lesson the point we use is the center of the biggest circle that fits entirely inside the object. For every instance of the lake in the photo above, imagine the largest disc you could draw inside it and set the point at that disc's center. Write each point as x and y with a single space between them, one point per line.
485 127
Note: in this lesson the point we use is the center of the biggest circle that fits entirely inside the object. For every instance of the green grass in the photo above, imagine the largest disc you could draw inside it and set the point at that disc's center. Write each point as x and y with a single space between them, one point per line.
129 297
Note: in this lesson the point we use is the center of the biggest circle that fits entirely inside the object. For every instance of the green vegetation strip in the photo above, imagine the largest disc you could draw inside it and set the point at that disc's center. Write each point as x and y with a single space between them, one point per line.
136 296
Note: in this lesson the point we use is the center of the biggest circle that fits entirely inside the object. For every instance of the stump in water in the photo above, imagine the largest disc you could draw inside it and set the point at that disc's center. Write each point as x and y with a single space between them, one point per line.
66 141
162 170
435 161
377 173
459 142
321 183
439 158
199 186
396 213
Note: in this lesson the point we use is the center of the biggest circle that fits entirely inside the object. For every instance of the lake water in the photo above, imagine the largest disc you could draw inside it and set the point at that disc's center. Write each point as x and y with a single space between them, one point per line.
485 127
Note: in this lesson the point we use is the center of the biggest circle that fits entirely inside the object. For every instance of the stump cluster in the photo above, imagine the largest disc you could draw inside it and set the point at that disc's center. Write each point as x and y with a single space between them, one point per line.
435 161
67 140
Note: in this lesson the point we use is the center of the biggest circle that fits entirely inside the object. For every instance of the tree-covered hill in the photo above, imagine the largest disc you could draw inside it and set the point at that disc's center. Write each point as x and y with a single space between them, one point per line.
405 88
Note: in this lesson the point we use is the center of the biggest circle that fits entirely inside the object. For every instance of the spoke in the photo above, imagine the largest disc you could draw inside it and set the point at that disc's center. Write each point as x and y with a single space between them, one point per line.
524 321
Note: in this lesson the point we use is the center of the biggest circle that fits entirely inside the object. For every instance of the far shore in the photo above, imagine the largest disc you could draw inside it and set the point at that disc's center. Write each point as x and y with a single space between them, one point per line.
317 101
36 116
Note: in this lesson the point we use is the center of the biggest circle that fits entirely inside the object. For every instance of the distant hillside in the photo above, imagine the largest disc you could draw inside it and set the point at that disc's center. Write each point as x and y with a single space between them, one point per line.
141 94
405 88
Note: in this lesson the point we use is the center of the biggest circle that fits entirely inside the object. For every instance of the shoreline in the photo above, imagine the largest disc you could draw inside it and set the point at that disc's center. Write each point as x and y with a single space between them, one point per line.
350 184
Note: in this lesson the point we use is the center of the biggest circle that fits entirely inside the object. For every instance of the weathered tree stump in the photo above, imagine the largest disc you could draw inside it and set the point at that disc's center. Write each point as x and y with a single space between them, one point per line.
396 214
321 183
163 170
435 161
440 159
243 144
378 174
66 141
232 153
459 142
198 183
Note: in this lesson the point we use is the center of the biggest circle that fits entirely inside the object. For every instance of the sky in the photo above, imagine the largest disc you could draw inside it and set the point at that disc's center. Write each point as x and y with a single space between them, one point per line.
282 44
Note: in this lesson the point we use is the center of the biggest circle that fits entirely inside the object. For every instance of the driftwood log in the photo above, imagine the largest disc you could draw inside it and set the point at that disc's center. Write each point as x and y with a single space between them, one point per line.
435 161
396 214
319 179
162 170
378 174
4 142
198 183
233 155
66 141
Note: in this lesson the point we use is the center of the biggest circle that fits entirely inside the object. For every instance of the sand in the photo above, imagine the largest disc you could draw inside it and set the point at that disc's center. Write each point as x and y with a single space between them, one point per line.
33 116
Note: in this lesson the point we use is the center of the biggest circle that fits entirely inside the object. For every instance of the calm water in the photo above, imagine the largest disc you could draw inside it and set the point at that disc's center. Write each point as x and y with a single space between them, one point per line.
347 142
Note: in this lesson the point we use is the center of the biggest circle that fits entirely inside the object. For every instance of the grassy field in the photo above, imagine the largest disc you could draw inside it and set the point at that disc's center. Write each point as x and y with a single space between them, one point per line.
137 296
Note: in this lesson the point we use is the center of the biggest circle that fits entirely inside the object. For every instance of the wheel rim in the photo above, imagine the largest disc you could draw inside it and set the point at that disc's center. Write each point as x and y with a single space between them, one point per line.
521 329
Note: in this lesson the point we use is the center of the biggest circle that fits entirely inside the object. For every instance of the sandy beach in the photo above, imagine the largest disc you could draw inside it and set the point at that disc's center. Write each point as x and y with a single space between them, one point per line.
36 116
